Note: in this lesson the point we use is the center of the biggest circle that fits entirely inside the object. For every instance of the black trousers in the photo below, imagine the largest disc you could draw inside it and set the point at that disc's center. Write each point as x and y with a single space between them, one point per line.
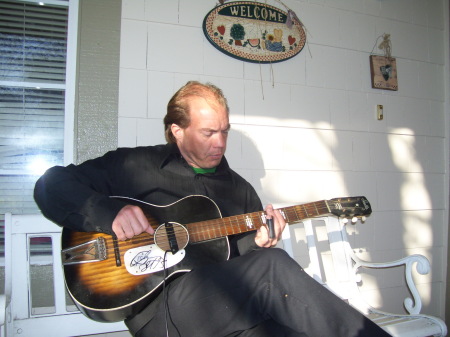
263 293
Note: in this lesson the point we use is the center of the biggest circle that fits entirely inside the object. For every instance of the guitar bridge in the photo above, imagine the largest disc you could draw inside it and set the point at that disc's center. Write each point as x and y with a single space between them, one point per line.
91 251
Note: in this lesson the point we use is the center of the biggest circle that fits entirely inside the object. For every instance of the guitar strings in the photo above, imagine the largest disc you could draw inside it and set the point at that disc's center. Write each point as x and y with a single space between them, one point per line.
204 229
240 221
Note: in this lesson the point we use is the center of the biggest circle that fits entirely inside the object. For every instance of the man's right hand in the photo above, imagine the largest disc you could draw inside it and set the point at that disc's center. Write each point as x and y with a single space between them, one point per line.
130 221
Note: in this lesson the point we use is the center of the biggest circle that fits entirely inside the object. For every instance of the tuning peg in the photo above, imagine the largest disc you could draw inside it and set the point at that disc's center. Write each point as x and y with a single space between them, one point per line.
363 218
354 219
344 220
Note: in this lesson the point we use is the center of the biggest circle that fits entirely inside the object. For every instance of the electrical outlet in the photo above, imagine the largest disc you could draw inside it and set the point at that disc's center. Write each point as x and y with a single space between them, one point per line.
380 112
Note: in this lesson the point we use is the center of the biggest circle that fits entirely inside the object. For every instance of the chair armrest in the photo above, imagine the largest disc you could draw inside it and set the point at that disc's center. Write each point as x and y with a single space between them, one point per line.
414 305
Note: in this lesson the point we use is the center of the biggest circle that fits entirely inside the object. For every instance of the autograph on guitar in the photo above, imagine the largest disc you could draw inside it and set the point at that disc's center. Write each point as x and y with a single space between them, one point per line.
110 280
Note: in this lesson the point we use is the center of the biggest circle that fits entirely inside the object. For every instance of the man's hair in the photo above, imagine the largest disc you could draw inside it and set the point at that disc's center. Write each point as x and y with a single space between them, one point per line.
178 106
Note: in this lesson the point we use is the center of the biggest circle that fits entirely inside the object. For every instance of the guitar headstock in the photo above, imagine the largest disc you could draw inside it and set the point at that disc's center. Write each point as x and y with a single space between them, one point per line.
350 206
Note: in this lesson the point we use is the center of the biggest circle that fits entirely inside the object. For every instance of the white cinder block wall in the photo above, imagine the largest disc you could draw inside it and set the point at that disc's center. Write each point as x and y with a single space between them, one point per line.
306 129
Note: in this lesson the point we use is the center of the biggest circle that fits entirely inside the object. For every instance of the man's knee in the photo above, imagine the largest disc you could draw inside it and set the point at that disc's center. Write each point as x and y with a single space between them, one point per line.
274 253
276 256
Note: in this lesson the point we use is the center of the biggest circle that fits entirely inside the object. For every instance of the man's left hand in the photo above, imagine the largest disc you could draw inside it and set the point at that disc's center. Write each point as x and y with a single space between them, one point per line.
262 238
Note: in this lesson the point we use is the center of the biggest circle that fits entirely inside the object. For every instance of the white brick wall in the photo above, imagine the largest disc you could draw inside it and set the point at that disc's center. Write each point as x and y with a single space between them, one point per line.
314 133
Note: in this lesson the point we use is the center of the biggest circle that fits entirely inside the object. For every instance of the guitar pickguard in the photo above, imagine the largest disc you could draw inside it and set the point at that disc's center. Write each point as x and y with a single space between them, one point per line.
150 259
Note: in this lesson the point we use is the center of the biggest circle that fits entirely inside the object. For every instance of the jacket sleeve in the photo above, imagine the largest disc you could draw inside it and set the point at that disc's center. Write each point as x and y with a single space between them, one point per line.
77 197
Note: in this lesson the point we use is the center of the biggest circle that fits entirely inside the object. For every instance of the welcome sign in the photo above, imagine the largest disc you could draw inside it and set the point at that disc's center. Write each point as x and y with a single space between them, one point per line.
254 32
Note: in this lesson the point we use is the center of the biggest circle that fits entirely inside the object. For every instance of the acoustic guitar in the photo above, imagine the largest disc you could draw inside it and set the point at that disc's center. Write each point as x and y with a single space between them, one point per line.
110 280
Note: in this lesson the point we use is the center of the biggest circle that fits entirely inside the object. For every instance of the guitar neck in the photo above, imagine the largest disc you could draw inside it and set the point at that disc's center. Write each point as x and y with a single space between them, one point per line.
216 228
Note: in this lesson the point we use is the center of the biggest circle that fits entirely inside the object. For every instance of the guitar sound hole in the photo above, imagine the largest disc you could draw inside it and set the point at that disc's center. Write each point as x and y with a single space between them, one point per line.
171 237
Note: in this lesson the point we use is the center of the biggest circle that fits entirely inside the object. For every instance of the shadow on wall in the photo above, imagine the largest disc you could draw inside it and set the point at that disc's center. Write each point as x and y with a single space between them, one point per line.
391 232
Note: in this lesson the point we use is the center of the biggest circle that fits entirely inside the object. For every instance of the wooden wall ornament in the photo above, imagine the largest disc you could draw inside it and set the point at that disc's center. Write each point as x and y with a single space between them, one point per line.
383 69
254 32
383 72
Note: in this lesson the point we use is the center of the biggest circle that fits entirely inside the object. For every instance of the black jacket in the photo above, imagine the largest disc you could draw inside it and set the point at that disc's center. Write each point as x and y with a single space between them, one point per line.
78 196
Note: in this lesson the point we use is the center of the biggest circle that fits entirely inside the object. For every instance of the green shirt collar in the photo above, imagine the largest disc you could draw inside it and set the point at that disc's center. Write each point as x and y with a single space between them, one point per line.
199 170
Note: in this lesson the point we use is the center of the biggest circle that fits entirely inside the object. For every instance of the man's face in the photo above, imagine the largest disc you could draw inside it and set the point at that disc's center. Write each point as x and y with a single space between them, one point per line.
204 141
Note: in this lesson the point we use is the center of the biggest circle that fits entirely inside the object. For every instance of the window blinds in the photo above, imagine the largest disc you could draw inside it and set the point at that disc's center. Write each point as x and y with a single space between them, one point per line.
33 43
33 40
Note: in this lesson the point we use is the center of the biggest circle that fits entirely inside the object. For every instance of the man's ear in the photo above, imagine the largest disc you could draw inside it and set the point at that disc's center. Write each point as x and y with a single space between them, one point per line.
177 132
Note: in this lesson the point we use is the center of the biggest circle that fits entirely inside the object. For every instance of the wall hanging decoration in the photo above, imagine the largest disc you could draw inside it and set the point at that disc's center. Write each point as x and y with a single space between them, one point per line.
383 69
254 32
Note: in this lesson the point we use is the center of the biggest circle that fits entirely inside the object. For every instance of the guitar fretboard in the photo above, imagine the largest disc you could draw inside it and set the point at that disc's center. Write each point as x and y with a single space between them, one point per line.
216 228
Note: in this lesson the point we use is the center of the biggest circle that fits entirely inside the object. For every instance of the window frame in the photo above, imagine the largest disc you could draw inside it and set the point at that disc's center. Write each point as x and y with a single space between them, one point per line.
69 87
70 83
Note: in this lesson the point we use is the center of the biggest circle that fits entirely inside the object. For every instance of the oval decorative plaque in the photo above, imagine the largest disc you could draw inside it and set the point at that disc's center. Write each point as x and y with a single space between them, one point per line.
254 32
